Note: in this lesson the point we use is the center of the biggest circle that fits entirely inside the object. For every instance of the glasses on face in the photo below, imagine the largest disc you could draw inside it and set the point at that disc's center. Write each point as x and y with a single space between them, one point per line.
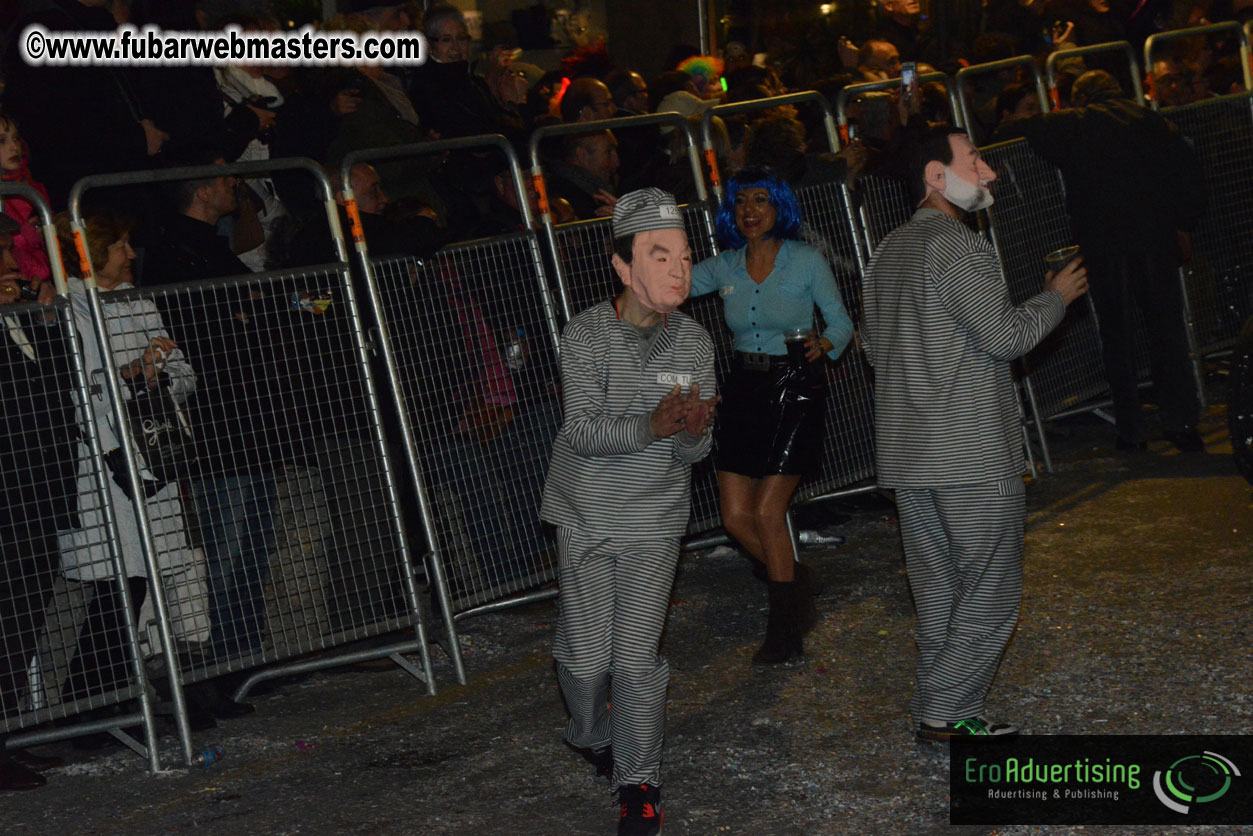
447 40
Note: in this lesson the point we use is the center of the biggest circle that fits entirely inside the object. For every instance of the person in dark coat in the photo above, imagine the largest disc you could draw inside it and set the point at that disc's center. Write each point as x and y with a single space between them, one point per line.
185 100
1134 188
36 497
78 120
450 100
225 335
585 174
899 24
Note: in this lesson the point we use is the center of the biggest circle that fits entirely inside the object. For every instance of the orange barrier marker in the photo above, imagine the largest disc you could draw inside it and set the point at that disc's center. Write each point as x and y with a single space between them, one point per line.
354 220
541 193
711 160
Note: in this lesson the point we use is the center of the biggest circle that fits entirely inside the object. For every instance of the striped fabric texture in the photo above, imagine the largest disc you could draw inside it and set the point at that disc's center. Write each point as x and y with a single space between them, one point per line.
963 552
608 474
940 329
615 593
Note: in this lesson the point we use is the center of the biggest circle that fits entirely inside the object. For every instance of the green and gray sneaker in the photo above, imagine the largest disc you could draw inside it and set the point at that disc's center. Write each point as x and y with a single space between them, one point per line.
932 732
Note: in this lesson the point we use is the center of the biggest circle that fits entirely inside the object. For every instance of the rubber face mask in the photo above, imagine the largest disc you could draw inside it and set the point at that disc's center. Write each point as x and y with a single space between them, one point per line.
963 194
660 272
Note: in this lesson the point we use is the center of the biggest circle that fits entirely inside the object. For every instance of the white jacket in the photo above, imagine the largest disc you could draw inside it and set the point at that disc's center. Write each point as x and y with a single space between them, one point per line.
132 323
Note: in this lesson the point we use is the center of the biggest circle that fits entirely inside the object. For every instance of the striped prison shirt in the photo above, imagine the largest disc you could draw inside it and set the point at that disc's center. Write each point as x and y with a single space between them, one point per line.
608 473
940 331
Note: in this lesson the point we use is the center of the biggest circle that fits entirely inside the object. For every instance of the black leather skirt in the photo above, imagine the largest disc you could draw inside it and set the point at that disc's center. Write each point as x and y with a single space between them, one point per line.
771 419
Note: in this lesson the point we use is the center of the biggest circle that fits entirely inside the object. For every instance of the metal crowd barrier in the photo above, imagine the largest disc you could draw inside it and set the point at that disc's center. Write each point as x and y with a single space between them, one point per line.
1123 48
1064 374
1218 282
70 647
1243 35
291 507
852 91
966 74
469 337
883 203
805 97
581 270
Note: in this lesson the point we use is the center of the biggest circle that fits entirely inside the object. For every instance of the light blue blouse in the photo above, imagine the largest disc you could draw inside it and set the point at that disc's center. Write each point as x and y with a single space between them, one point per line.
759 314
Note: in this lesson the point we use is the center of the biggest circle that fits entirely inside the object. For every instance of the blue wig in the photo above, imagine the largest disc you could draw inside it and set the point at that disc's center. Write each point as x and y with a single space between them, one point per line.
787 224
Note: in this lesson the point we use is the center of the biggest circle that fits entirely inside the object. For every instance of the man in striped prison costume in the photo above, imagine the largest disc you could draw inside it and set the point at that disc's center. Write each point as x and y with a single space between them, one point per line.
633 373
940 330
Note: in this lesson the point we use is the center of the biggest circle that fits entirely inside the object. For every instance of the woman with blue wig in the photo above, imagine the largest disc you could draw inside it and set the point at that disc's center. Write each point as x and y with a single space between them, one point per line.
770 425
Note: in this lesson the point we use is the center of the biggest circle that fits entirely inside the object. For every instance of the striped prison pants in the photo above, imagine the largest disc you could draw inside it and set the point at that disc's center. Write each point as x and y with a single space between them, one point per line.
963 552
614 597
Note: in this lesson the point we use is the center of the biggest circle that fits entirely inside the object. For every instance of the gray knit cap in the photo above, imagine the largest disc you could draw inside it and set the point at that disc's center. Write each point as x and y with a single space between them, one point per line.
643 210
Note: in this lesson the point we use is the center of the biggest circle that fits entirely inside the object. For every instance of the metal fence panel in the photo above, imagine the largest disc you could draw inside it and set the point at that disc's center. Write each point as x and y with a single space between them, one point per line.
279 535
287 504
884 205
1028 221
69 639
479 375
848 448
1219 280
707 310
583 250
271 378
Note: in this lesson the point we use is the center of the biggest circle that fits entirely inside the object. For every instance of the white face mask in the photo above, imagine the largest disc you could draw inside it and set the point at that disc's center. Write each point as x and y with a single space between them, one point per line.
963 194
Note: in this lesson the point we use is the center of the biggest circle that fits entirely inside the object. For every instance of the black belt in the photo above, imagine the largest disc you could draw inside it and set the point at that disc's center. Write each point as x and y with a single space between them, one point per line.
760 362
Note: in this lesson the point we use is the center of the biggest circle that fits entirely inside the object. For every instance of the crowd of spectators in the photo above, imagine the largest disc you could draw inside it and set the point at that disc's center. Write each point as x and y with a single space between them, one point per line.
60 124
136 118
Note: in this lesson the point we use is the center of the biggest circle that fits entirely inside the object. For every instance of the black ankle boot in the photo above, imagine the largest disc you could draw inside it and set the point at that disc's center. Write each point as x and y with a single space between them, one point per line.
806 582
782 639
804 610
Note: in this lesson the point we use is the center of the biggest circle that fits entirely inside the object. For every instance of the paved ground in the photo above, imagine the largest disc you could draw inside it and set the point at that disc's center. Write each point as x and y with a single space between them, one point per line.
1135 620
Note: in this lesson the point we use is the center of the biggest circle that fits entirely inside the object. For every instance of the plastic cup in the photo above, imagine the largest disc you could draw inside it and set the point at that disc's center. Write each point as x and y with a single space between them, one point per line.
795 342
1058 259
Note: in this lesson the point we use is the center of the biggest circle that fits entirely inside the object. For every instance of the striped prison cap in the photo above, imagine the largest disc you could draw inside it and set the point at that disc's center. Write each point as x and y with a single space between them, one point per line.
644 210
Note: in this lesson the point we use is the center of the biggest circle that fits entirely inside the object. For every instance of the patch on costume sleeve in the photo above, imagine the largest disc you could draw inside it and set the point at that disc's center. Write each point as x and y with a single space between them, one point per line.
671 378
726 290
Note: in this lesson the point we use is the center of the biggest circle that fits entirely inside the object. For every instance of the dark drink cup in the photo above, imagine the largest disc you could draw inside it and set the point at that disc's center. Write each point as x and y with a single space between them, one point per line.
795 342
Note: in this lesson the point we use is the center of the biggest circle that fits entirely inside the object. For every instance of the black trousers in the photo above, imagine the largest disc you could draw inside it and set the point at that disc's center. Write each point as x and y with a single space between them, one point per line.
27 558
103 658
1147 278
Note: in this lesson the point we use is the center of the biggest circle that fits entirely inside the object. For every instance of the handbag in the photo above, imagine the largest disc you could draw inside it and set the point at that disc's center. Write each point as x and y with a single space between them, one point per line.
161 433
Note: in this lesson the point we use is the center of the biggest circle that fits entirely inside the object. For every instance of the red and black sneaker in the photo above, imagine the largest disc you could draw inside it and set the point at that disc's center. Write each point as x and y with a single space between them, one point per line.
641 810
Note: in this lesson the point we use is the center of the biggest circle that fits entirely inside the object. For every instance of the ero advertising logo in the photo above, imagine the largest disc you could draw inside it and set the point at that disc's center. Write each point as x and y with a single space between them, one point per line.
1101 779
1194 779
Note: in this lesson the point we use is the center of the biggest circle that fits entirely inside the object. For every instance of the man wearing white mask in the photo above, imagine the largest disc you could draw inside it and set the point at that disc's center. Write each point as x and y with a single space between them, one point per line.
633 373
941 331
